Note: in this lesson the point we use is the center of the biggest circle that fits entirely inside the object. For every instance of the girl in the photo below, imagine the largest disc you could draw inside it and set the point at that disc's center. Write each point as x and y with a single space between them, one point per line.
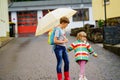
82 50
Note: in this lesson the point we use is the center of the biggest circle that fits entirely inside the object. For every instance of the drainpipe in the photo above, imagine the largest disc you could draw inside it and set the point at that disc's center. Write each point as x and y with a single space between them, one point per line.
105 23
105 12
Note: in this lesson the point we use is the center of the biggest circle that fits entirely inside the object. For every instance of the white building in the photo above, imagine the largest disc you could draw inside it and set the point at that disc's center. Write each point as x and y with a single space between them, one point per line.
26 14
4 23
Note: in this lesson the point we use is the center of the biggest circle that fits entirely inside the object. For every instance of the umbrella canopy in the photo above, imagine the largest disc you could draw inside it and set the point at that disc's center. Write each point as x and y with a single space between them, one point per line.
51 19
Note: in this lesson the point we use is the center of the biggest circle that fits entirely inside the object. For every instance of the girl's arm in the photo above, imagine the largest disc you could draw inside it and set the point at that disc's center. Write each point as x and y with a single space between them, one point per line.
70 48
90 49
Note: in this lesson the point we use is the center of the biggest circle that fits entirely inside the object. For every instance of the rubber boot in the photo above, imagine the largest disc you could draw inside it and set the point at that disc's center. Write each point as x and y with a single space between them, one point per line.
66 75
59 76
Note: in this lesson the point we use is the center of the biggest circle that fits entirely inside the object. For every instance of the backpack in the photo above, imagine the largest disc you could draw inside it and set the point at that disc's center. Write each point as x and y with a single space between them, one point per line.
51 35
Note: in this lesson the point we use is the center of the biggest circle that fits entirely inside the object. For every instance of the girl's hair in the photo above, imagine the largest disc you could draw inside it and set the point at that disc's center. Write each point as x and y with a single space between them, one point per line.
64 19
80 34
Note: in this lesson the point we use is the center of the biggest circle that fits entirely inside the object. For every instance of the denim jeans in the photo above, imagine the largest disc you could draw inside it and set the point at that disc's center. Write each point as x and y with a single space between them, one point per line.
61 53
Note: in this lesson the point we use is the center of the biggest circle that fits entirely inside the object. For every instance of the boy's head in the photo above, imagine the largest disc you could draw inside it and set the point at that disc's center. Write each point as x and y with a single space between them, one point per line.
64 21
81 36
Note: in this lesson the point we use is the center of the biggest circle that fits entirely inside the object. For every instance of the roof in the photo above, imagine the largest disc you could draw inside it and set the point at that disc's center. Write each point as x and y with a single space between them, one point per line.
28 4
44 3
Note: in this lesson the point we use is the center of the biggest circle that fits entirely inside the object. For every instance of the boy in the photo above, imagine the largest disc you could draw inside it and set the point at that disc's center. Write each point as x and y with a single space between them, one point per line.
60 49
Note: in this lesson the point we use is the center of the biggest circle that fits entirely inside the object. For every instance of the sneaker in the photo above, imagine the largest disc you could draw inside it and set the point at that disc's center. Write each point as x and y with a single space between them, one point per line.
84 78
81 77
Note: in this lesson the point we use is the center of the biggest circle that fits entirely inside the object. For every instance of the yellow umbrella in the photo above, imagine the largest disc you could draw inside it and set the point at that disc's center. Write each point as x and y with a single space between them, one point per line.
51 19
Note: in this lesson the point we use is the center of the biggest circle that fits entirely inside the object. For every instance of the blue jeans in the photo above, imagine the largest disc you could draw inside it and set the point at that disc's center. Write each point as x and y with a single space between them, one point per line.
61 53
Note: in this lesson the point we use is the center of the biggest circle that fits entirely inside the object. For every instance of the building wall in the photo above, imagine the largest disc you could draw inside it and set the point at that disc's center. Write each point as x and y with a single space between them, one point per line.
14 20
73 24
40 7
112 9
39 15
4 22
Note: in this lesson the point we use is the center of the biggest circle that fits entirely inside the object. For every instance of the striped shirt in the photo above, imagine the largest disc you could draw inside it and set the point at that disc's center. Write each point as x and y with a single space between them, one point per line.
81 50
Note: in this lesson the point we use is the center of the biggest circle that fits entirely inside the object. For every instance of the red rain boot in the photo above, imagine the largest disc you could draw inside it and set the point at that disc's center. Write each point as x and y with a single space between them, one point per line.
67 77
59 76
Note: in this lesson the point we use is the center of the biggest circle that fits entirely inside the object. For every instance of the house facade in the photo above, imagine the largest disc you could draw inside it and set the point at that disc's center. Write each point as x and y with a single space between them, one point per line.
112 9
4 23
112 28
26 14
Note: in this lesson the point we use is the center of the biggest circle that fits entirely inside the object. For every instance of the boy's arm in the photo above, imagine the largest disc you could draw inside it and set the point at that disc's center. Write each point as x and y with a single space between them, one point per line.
59 41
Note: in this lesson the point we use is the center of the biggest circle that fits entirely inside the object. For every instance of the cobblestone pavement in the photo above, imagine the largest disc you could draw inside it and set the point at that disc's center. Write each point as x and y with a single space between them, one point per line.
32 59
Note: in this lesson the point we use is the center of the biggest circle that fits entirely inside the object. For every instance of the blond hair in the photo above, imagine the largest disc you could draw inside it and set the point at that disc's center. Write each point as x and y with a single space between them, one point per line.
80 34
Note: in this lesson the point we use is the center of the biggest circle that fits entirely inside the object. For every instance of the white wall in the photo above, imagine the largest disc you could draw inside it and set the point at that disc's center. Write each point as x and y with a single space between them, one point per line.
14 19
39 15
92 21
4 22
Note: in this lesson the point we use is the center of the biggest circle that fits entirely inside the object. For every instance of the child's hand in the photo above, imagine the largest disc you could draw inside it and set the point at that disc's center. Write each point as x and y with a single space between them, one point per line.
66 40
95 55
68 50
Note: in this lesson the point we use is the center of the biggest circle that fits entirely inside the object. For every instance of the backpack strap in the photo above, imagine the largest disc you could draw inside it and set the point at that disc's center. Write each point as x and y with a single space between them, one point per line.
53 46
59 30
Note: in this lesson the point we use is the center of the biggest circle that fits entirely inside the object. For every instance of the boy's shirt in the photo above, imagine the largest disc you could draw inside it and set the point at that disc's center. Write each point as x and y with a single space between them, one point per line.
60 34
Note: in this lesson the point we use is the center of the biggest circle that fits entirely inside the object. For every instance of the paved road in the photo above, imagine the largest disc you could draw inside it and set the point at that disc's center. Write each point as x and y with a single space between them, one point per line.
32 59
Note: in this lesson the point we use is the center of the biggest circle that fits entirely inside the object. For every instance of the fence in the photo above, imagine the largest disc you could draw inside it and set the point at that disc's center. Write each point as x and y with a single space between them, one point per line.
112 35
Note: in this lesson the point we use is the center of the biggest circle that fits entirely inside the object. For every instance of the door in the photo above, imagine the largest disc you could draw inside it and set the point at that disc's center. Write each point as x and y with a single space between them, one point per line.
27 23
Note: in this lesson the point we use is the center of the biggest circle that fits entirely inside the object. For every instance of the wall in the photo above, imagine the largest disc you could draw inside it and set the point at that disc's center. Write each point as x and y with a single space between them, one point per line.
71 25
14 20
39 15
4 23
74 4
112 9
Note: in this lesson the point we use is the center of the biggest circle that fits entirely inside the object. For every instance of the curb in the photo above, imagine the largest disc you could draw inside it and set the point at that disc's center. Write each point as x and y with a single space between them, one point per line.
4 42
113 48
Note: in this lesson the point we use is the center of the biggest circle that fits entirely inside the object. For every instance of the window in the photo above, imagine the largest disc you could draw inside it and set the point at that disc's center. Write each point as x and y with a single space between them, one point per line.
82 14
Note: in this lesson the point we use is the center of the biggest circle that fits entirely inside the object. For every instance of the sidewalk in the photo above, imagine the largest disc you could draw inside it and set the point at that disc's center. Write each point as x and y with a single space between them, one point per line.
113 48
4 40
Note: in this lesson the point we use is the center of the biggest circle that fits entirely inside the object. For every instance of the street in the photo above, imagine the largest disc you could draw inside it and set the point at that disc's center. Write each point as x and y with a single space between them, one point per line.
31 58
